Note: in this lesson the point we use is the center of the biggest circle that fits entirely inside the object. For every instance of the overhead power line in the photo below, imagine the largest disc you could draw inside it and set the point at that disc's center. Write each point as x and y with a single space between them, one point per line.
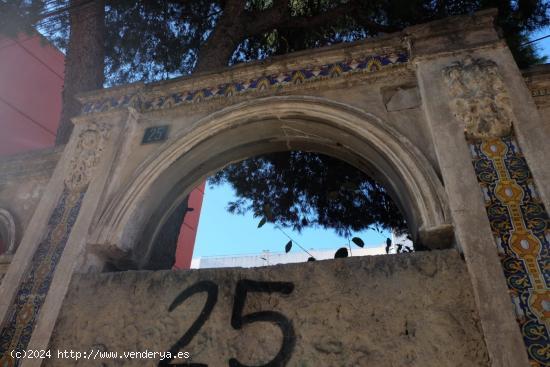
64 9
533 41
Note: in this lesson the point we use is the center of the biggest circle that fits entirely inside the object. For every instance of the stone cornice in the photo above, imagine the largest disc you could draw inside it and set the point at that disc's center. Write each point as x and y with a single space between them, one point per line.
451 35
288 71
254 78
483 19
537 79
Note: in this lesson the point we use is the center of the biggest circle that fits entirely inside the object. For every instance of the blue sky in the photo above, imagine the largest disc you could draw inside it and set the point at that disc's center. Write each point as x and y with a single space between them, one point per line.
222 233
543 45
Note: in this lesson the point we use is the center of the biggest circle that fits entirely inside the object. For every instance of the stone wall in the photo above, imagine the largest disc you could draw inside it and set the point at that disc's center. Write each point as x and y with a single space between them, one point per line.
23 179
537 79
400 310
386 106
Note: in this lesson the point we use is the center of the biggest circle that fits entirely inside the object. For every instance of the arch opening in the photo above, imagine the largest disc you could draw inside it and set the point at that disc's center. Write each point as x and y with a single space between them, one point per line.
265 126
306 202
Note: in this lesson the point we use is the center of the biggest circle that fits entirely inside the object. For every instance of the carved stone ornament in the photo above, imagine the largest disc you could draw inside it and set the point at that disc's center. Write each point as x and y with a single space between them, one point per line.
7 230
90 144
479 98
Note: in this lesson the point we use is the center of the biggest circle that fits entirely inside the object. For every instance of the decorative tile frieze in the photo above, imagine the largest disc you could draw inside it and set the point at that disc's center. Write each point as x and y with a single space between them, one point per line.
23 313
521 227
143 102
22 316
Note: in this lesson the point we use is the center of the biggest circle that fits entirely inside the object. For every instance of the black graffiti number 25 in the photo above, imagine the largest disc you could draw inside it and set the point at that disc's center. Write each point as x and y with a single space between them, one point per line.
238 320
211 289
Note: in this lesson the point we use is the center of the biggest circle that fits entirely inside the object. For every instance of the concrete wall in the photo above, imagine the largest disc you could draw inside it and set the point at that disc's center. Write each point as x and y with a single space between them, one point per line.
400 310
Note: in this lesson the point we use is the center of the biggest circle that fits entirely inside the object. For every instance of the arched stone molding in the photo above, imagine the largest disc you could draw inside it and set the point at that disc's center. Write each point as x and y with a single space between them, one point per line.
7 231
265 125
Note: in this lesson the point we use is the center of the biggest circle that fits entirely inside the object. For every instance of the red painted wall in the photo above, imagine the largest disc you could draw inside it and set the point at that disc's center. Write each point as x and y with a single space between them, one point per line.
31 82
188 230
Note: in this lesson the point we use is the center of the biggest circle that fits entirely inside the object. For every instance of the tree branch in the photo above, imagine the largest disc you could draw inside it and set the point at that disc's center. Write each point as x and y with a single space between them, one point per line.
237 24
227 34
278 16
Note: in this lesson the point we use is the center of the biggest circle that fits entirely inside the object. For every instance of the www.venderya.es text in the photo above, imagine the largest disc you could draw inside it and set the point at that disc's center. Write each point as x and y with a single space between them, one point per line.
95 354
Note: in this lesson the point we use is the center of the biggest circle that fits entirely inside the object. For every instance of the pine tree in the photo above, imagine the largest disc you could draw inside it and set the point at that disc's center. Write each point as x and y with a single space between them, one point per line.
112 42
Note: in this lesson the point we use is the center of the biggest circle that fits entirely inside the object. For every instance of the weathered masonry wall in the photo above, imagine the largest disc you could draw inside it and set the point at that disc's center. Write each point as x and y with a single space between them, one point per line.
439 113
23 179
537 79
402 310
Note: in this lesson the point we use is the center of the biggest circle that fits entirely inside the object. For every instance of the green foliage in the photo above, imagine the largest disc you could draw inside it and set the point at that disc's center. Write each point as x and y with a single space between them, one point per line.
159 39
262 222
17 17
359 242
517 19
155 39
304 189
400 248
288 246
341 253
388 245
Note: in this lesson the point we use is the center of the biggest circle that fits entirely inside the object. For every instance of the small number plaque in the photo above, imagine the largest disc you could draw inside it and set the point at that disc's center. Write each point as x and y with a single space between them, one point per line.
155 134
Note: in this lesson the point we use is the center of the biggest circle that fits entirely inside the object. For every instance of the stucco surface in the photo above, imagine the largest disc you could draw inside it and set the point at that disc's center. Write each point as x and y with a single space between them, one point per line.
402 310
23 179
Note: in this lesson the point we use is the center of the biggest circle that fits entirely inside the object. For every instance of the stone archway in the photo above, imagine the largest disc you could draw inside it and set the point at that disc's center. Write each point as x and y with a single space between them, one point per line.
266 125
383 105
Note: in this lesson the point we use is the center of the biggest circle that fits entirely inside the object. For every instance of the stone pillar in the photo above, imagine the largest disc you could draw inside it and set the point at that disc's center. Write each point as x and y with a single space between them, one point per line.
530 130
434 51
52 247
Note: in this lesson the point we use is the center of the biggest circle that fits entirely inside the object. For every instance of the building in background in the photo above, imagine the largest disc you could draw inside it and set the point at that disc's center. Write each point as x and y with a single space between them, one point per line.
31 84
267 258
31 81
188 230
